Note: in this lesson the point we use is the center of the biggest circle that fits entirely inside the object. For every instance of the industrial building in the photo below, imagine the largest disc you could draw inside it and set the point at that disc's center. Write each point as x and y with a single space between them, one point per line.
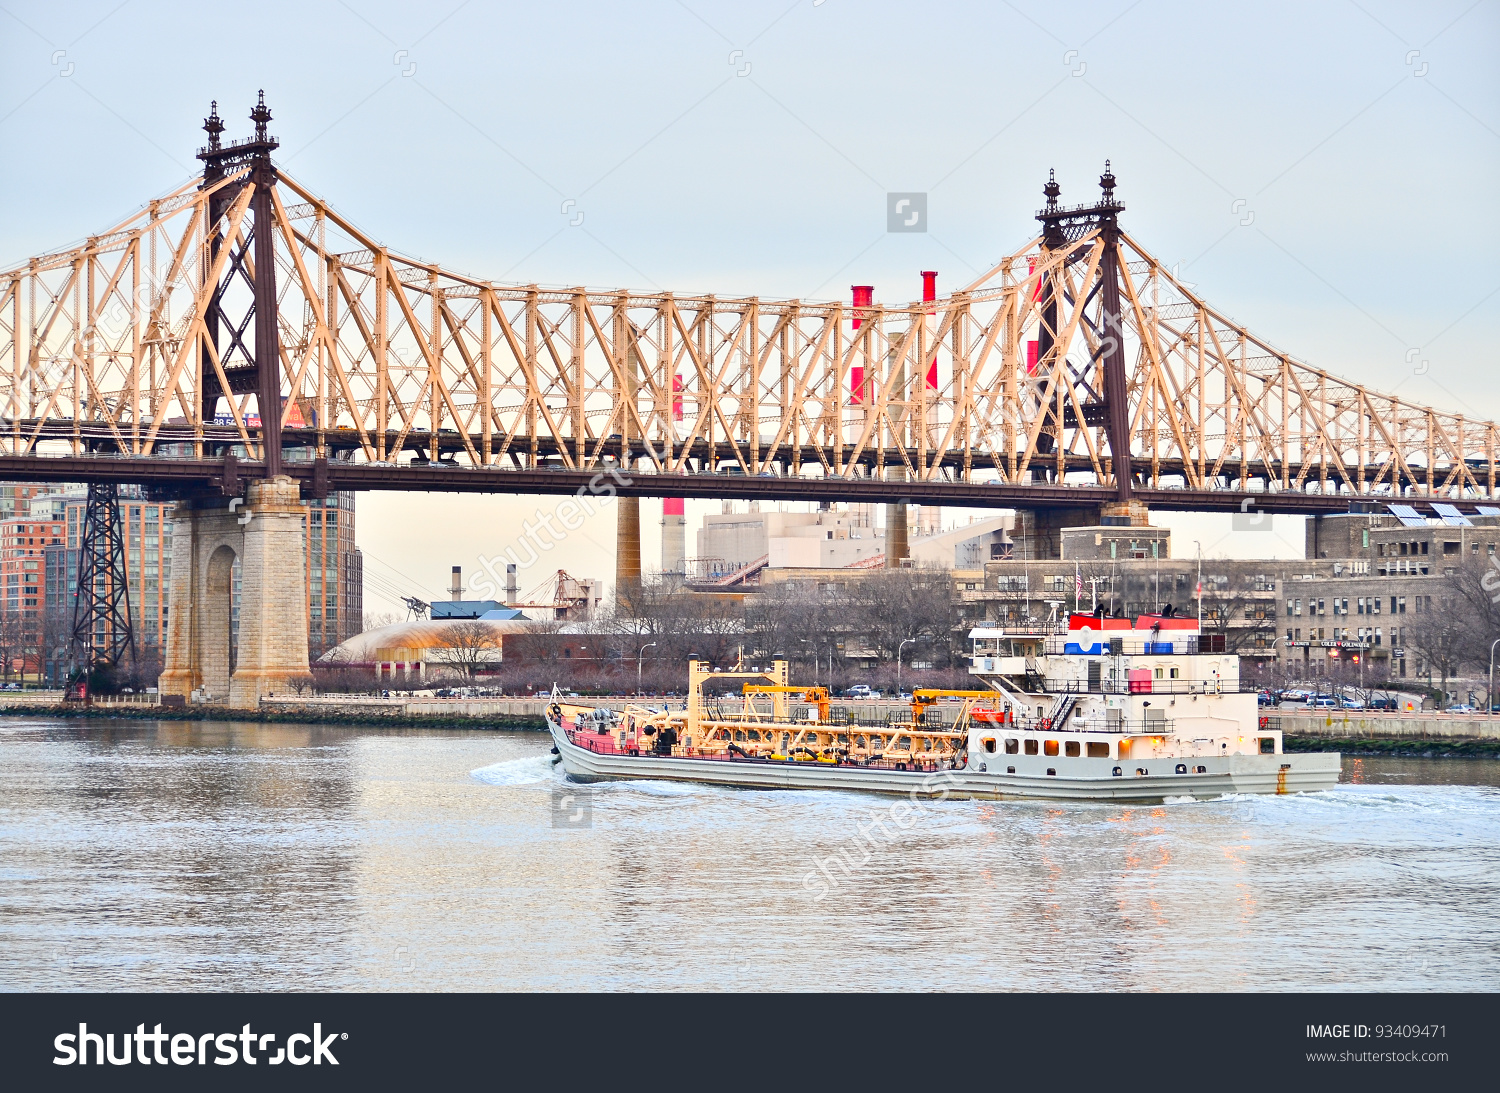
744 548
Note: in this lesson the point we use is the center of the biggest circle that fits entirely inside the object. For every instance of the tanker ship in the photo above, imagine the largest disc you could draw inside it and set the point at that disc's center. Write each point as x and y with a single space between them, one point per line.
1109 709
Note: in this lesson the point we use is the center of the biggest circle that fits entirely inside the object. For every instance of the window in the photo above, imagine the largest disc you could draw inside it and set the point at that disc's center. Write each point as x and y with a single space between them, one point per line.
1012 745
1070 749
1268 745
1098 750
1049 747
1030 748
1424 546
989 744
1399 605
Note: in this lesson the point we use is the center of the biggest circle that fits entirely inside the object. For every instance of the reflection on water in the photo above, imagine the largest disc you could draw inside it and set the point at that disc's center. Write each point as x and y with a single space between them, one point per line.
216 856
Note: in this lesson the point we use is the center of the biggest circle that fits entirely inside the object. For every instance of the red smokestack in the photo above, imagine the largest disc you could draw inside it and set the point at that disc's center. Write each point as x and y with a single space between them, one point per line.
929 295
864 295
672 506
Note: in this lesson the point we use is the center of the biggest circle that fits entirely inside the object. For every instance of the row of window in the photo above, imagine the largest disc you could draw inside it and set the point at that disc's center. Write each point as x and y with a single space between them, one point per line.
1364 605
1097 749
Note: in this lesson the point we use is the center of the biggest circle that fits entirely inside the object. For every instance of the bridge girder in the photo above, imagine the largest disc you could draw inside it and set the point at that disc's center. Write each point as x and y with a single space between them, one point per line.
116 346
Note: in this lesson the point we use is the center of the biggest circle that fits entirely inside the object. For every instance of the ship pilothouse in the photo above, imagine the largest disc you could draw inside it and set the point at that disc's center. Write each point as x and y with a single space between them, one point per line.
1152 687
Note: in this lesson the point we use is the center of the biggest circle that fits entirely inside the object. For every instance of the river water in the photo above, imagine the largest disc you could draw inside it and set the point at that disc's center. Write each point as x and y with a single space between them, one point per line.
138 855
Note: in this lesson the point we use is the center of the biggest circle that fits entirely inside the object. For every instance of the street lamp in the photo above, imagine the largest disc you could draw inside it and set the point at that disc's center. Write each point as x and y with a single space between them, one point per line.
638 654
1198 591
808 641
903 645
1490 698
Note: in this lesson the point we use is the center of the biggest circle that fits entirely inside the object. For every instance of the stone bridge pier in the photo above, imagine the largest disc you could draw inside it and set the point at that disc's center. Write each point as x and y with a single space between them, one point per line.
265 535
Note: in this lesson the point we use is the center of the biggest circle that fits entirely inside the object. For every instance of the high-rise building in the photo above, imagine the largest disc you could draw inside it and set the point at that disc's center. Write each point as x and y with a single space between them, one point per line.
335 574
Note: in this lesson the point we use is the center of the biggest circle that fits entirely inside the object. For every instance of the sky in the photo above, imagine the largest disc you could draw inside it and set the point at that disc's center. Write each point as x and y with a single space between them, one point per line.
1318 171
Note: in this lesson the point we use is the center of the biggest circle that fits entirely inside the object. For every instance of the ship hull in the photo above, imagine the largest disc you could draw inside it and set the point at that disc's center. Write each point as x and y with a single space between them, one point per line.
1074 779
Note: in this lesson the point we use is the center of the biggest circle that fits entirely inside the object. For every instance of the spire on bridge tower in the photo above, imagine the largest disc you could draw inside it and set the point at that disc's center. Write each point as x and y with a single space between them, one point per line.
213 125
260 116
1107 184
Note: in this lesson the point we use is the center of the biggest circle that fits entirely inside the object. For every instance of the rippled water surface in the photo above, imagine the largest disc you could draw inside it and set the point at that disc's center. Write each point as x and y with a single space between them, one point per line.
213 856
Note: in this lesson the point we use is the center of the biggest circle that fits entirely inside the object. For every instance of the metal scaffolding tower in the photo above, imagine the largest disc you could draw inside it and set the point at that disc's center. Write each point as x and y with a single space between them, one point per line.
102 630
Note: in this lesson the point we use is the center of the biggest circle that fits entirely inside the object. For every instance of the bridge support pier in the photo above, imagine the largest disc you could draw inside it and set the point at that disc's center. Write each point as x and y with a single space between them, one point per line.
1038 533
265 535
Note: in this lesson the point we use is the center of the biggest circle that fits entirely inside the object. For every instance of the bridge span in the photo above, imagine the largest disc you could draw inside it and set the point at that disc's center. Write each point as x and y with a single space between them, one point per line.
238 337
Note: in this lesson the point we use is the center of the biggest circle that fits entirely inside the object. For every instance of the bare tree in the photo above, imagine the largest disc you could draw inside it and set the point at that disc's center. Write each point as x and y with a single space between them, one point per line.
468 647
1473 588
13 635
1221 606
1442 635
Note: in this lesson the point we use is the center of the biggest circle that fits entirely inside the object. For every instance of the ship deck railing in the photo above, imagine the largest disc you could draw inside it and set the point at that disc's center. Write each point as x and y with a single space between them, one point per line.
1164 686
1166 645
607 744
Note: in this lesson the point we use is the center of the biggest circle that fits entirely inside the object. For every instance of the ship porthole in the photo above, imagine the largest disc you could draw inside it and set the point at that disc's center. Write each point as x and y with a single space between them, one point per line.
1141 771
1181 768
1051 770
1116 772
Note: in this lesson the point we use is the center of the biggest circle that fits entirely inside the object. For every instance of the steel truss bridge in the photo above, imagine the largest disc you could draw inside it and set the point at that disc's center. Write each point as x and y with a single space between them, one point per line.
241 314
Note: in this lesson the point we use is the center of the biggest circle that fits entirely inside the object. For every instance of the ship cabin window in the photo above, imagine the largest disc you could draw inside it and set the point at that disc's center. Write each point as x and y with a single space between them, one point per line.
989 744
1070 749
1158 674
1176 673
1098 749
1031 747
1012 745
1268 745
1050 747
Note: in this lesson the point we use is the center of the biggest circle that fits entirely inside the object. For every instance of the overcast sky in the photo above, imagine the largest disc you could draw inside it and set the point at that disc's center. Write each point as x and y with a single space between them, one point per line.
1319 170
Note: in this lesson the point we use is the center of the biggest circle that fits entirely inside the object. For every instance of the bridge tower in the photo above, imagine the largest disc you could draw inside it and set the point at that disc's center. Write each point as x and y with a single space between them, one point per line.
207 657
103 635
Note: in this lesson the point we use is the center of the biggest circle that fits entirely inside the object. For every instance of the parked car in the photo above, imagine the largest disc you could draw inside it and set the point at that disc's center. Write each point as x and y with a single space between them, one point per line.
1381 702
1459 707
1322 702
1265 698
859 690
1295 695
1353 703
